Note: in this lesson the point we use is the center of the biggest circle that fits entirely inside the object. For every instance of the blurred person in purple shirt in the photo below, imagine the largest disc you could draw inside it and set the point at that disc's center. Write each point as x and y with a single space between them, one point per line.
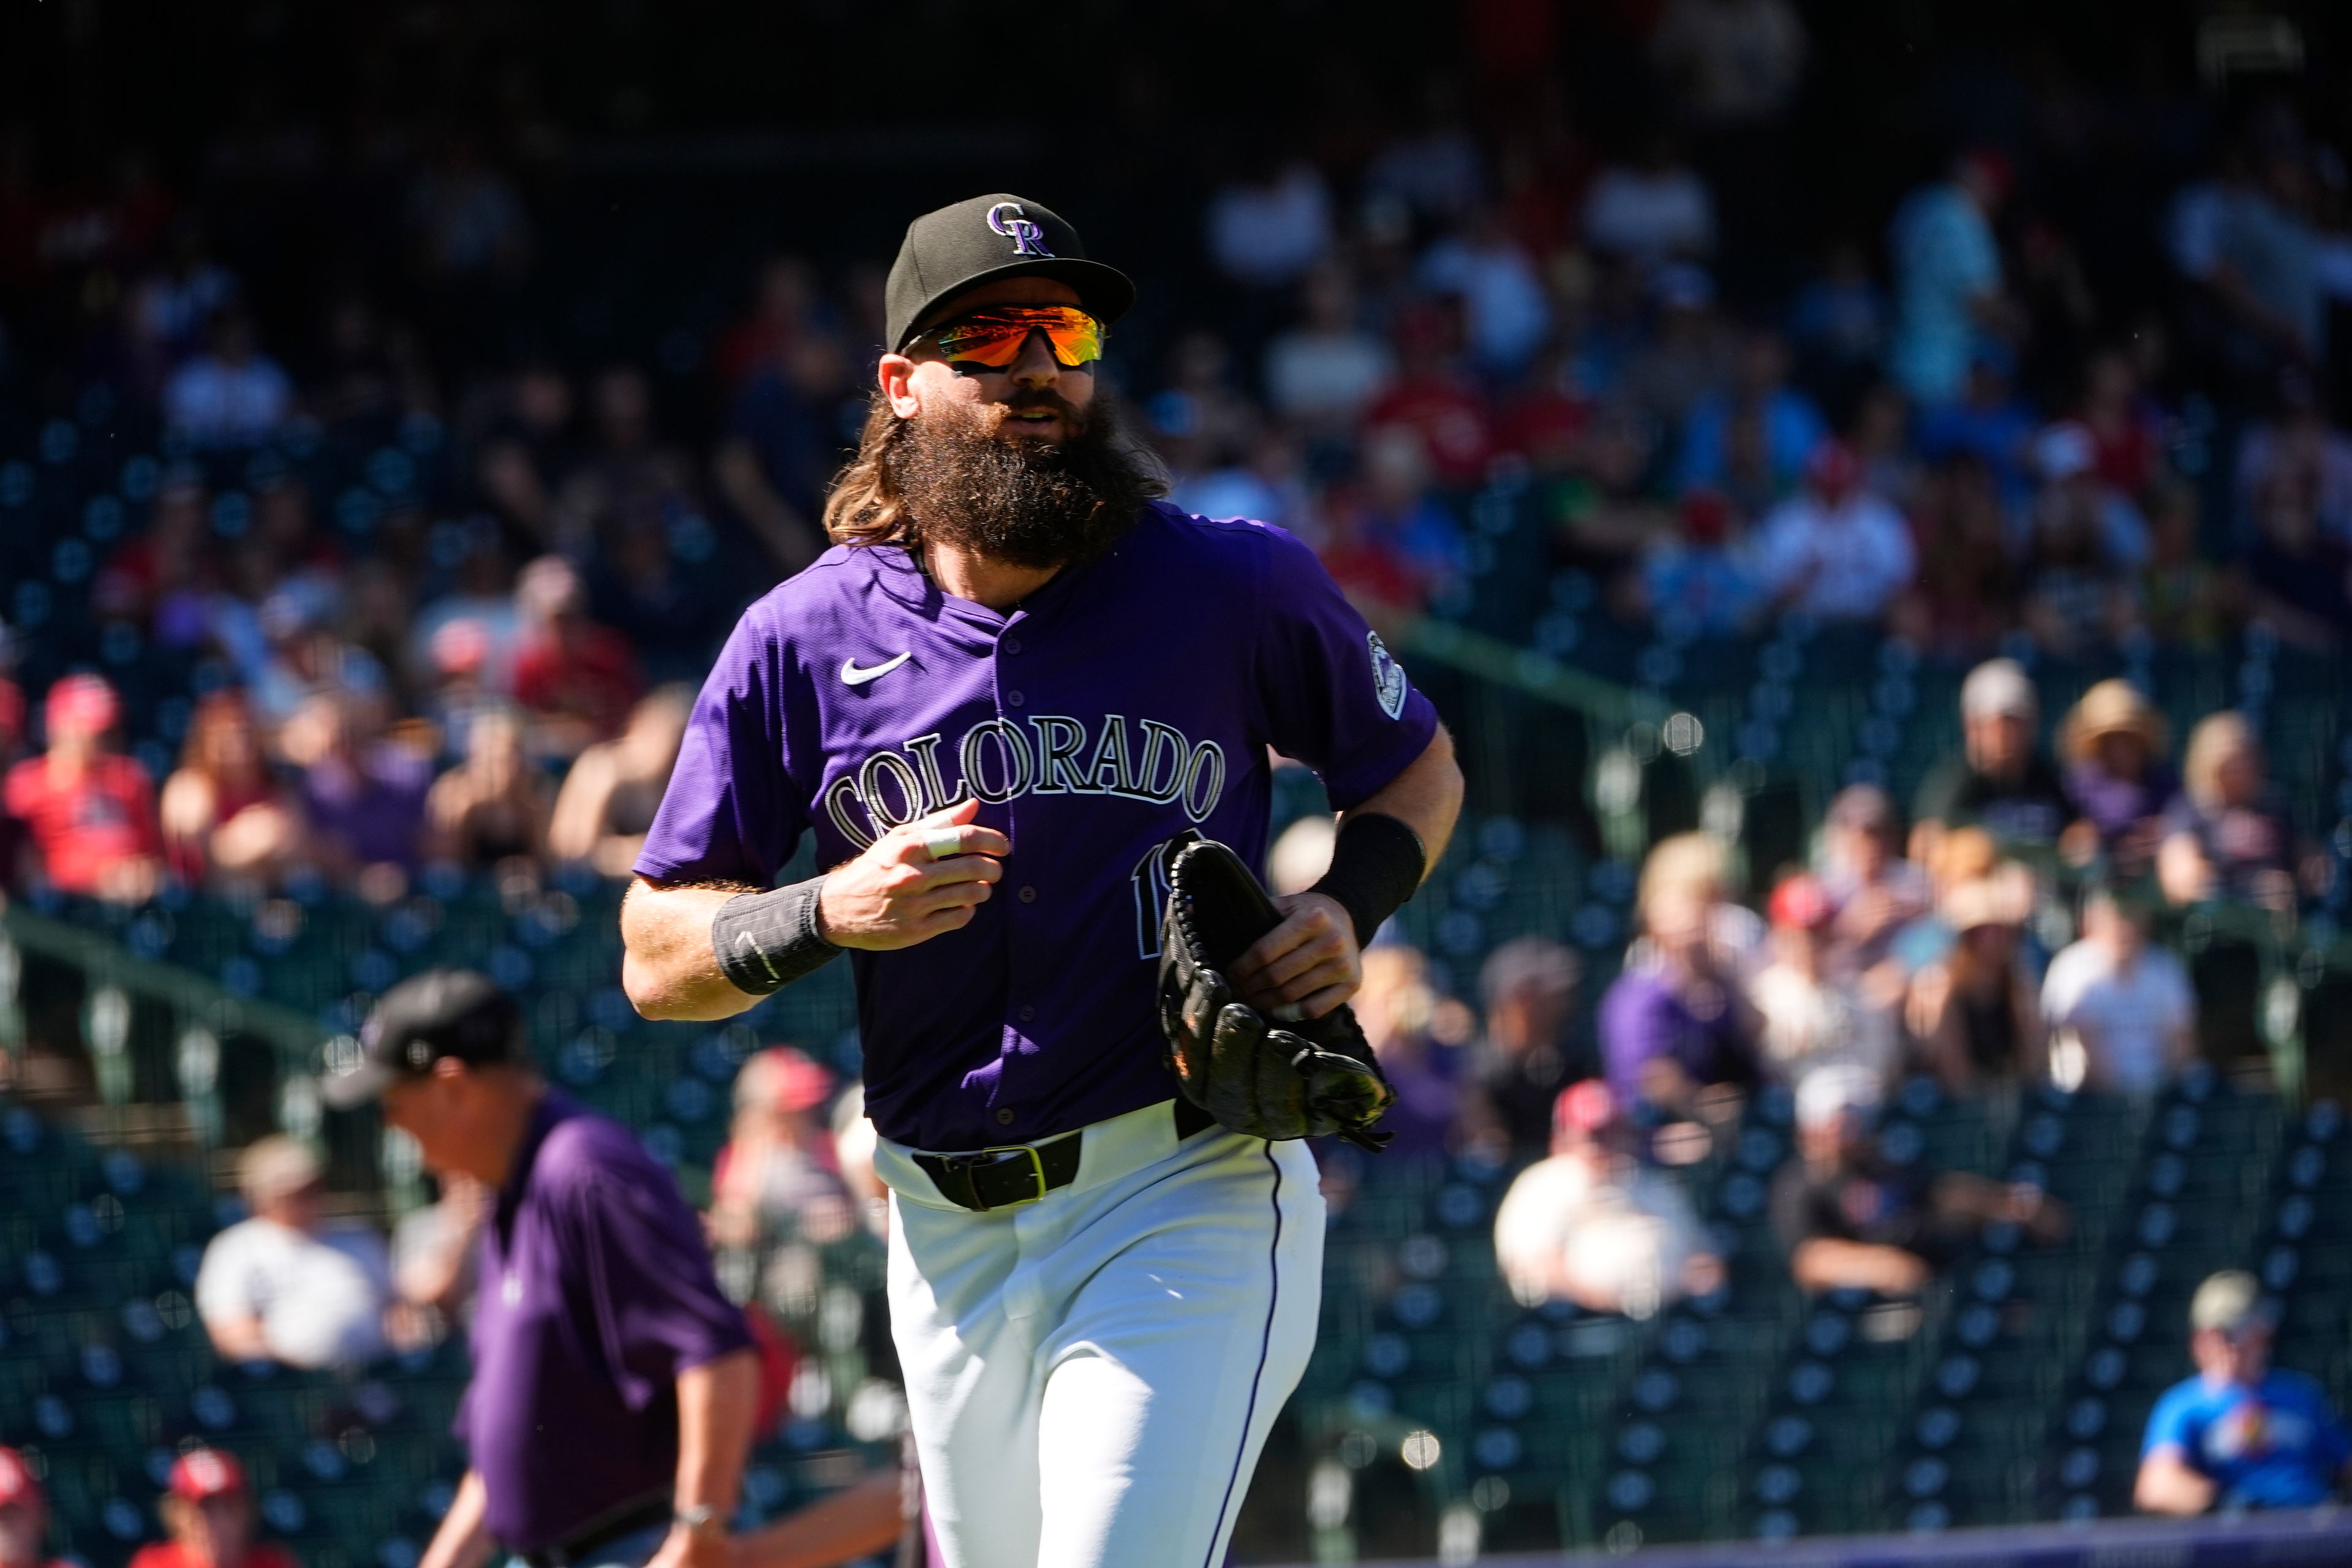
615 1386
1679 1021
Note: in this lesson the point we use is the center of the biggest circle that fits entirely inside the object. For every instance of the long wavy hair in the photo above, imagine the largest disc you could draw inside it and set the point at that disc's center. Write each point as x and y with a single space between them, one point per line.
866 505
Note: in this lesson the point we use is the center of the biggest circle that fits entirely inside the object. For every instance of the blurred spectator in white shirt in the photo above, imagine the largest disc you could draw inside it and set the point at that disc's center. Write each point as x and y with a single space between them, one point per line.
1593 1226
1655 210
1811 1017
1268 228
1836 549
287 1285
2121 1013
1328 370
231 396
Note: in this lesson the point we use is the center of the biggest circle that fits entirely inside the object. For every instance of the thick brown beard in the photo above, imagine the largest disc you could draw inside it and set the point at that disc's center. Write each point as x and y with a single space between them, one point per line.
1015 499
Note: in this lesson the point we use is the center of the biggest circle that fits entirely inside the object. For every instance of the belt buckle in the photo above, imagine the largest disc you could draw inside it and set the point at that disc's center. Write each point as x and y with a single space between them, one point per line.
991 1158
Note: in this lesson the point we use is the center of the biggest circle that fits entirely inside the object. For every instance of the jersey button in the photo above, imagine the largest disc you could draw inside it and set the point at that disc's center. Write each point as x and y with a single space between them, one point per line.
1028 895
1010 645
1013 700
1005 1117
1026 1014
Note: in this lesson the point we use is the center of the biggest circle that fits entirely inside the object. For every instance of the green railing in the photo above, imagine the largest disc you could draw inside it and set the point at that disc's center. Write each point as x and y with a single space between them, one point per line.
195 1014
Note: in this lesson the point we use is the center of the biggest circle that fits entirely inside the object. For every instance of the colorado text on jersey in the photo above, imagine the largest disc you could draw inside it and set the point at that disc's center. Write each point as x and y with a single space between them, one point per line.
997 759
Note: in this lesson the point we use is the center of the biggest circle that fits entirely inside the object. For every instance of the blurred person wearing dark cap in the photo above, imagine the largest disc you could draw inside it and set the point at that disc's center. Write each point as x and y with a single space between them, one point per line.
1812 1015
1594 1225
2241 1434
778 1166
615 1386
207 1506
24 1515
90 810
1852 1219
2001 779
1529 988
287 1284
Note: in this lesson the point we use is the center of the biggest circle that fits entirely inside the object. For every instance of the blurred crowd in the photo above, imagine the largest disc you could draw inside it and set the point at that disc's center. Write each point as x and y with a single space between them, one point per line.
1963 415
1993 410
2001 936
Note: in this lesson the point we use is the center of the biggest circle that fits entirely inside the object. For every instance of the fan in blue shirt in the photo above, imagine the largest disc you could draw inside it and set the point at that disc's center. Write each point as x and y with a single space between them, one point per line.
2239 1434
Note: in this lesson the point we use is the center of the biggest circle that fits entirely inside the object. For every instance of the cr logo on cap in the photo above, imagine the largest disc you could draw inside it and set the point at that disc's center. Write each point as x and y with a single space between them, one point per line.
1028 238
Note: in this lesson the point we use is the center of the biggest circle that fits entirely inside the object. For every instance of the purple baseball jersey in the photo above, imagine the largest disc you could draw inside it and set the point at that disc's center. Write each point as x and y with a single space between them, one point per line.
1128 699
595 1292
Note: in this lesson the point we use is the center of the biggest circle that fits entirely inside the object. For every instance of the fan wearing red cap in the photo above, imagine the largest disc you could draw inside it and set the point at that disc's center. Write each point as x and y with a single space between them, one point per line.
91 810
24 1515
1594 1225
1836 549
207 1505
778 1169
1811 1014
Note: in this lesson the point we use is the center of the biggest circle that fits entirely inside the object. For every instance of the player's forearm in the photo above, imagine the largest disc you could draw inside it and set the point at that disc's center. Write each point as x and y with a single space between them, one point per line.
1425 797
461 1541
667 967
716 1404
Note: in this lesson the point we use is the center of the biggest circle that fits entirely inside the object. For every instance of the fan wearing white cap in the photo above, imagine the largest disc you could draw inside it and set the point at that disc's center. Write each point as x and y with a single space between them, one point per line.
2001 779
1852 1218
2241 1433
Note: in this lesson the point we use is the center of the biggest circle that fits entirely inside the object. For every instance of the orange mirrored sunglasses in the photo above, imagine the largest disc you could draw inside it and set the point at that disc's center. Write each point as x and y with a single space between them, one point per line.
993 339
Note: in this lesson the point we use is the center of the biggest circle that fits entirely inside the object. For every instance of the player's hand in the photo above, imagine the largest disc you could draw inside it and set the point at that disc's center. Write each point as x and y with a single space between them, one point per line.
1304 967
898 892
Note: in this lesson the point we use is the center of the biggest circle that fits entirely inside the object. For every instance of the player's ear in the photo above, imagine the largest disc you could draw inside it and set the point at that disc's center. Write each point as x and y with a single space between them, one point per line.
896 376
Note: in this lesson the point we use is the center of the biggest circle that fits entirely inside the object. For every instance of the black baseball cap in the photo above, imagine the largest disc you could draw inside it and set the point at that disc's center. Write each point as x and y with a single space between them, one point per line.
461 1013
988 237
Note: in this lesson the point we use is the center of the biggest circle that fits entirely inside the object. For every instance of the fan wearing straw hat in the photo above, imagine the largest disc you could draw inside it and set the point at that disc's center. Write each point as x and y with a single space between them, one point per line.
2114 743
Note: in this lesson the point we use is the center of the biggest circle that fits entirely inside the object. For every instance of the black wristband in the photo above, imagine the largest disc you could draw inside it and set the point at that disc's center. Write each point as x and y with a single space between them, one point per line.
1376 865
764 941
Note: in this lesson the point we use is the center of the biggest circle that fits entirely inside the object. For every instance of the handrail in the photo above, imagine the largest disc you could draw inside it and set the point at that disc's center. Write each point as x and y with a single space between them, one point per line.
1528 671
295 1035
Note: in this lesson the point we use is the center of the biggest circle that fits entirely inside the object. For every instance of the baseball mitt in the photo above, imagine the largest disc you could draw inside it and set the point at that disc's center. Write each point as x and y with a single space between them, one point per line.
1267 1081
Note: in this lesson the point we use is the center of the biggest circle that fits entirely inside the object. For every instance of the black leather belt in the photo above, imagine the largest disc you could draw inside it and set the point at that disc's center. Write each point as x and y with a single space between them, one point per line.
601 1531
1023 1172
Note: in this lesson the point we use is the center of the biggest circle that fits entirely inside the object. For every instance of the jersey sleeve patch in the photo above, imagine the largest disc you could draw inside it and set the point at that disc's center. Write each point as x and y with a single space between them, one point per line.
1388 677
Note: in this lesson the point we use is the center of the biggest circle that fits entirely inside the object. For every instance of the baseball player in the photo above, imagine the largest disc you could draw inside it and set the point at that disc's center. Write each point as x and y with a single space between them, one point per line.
1014 686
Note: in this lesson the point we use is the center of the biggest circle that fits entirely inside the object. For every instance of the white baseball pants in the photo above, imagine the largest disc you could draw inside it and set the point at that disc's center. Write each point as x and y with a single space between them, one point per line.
1091 1377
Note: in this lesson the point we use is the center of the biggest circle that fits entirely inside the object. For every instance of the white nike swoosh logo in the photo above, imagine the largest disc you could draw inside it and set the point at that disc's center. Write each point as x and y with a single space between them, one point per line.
853 676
